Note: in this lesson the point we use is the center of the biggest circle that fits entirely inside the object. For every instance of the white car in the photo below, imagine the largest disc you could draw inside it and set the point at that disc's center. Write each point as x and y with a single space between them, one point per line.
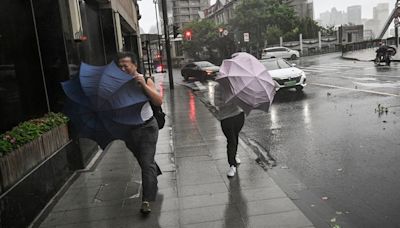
279 52
286 75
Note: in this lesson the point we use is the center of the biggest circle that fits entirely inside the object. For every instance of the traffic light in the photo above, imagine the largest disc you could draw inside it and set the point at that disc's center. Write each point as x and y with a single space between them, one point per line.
188 35
175 30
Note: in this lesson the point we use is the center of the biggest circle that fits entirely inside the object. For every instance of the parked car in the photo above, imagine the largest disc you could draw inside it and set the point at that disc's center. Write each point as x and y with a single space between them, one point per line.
201 70
279 52
285 74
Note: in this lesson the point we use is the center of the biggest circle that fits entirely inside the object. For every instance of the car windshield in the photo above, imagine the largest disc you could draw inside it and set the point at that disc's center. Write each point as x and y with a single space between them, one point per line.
276 64
204 64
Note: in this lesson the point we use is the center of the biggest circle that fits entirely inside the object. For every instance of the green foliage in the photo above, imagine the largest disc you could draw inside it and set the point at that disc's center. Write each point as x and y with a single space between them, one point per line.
206 42
308 27
267 20
29 130
204 36
261 18
272 34
328 31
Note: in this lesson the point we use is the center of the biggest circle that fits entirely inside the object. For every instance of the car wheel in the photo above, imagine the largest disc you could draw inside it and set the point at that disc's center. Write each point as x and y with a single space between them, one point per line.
293 57
299 88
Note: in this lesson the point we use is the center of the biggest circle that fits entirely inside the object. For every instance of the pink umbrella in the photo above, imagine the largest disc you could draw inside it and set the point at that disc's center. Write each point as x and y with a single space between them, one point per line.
247 83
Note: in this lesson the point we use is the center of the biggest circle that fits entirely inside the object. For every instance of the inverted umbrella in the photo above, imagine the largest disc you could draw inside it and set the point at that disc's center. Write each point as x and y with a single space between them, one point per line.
247 83
104 102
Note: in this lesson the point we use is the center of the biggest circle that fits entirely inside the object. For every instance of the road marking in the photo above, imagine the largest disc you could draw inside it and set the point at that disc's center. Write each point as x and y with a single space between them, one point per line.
325 74
360 90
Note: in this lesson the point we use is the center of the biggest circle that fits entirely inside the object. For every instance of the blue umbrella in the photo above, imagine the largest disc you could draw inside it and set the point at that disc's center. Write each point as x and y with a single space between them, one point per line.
103 102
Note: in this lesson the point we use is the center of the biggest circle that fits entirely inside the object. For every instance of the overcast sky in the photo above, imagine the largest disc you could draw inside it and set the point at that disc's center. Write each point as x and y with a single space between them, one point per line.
148 20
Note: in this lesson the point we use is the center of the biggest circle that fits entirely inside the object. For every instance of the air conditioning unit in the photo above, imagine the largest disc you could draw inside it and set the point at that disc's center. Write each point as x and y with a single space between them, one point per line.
76 19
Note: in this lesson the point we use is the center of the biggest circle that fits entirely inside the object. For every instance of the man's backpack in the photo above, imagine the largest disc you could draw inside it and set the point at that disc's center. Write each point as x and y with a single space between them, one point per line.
158 113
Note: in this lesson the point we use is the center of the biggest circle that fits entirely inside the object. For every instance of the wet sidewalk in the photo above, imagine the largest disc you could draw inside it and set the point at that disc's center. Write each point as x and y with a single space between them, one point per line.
193 190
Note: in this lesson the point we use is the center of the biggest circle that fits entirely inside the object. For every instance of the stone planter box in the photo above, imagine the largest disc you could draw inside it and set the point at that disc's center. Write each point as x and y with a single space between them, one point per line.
18 163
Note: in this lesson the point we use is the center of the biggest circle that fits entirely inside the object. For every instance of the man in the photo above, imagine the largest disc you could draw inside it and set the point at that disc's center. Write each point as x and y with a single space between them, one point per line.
143 138
381 52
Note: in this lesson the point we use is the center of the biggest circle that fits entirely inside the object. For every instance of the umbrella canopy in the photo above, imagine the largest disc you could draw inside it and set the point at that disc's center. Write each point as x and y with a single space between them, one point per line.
247 83
103 102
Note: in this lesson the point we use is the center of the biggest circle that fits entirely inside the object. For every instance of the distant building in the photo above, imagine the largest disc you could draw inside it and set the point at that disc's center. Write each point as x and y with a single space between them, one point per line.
324 18
333 17
303 8
185 11
180 13
372 25
222 11
354 15
381 13
351 33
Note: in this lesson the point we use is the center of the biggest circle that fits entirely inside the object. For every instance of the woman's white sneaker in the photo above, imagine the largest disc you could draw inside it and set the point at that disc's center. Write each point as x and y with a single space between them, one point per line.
231 171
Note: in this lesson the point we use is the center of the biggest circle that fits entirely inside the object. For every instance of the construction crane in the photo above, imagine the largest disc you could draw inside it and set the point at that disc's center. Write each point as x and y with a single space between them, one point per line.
395 15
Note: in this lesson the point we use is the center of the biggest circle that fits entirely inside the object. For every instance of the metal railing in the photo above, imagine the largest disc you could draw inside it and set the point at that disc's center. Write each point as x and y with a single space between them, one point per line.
367 44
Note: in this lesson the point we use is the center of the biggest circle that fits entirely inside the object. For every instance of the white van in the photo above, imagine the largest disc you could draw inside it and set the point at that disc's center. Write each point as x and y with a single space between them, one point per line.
279 52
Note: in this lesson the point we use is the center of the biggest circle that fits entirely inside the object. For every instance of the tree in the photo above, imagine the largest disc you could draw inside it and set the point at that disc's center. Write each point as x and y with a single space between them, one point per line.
261 18
308 27
207 43
272 34
204 36
328 31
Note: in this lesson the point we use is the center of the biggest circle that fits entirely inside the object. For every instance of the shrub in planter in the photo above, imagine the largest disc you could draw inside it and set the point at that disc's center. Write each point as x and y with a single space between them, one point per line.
29 143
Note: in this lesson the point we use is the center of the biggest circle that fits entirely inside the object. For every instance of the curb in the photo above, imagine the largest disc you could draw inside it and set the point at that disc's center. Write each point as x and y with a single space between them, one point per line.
355 59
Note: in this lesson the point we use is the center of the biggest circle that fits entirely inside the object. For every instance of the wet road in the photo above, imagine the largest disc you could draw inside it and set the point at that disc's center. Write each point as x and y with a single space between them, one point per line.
337 157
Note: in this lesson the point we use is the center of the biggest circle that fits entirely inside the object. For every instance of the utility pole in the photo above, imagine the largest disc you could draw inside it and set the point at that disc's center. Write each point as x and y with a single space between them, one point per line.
158 33
167 44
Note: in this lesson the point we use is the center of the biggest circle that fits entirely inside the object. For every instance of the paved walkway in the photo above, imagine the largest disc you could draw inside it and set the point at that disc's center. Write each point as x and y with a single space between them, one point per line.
193 191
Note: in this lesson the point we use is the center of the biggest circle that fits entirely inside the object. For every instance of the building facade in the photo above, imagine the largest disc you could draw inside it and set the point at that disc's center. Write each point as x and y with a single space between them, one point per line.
351 34
42 43
185 11
222 11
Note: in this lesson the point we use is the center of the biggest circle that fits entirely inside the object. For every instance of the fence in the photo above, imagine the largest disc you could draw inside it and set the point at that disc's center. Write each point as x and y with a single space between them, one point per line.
367 44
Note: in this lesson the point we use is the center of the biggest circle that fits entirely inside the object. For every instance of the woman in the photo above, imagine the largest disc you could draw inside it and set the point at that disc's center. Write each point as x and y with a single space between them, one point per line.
232 120
143 138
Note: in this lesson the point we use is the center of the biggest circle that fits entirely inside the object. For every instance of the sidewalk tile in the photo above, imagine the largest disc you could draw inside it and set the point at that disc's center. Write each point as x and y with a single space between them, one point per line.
202 189
205 200
228 223
291 219
207 214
